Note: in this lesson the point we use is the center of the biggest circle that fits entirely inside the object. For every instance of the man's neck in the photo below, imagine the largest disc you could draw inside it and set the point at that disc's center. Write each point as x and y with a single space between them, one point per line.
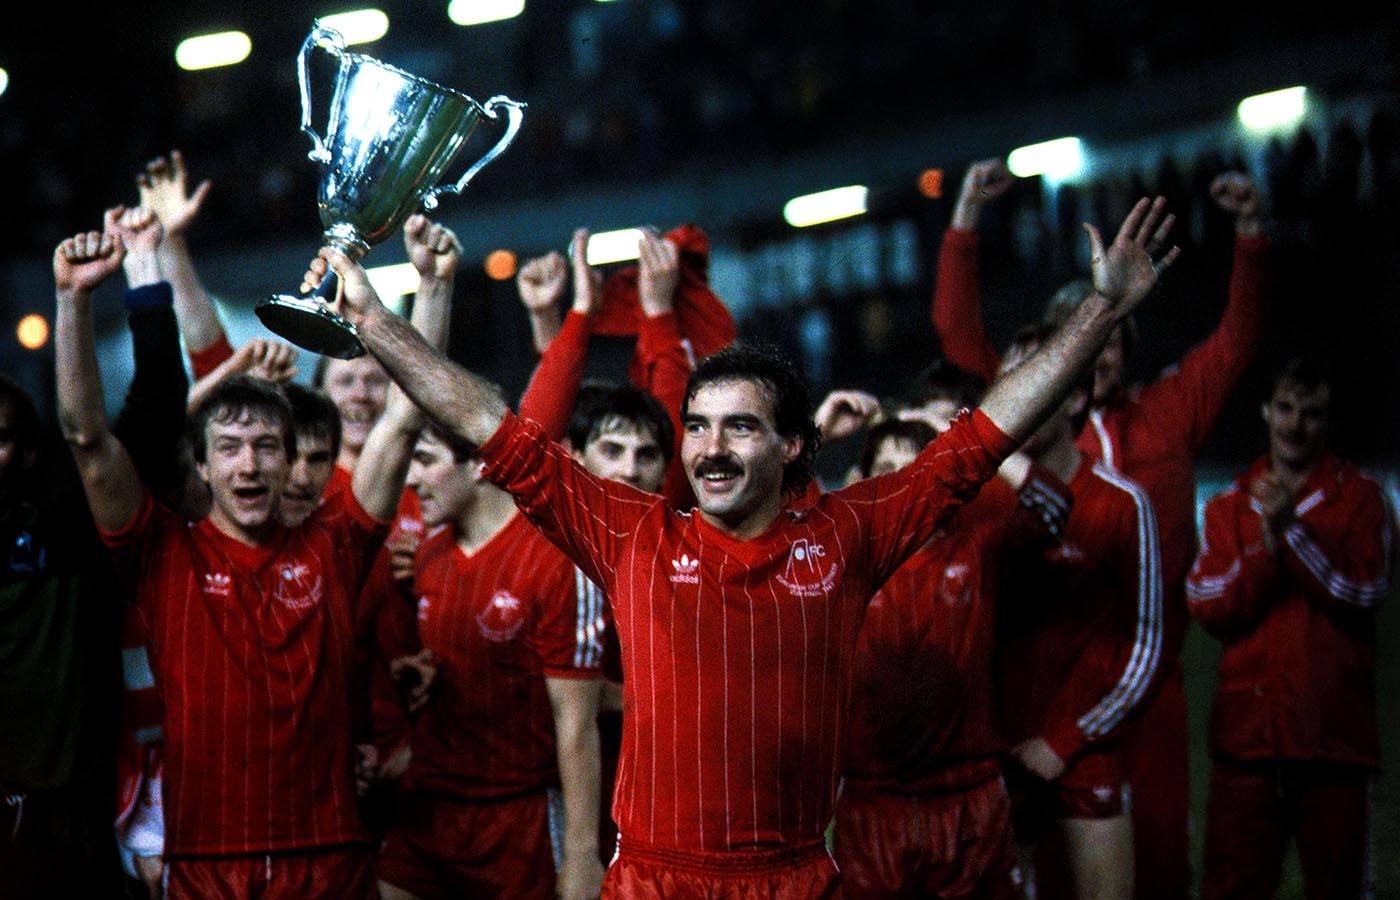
1062 458
490 511
1294 474
750 526
347 458
253 537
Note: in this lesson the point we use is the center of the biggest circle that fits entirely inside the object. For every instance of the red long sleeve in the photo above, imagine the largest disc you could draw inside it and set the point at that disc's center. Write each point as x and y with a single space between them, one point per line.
665 370
202 362
549 399
957 306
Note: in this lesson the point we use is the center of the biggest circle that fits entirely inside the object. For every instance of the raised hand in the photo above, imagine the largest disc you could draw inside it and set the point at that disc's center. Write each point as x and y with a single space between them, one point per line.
984 182
357 298
403 554
84 261
164 188
541 282
588 282
432 248
658 273
269 360
138 226
1125 272
844 413
1036 757
1236 194
1275 496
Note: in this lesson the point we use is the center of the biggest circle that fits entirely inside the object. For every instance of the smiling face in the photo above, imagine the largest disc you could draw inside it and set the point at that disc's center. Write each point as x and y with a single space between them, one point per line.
245 464
443 484
307 478
625 451
1109 367
734 455
358 388
1297 420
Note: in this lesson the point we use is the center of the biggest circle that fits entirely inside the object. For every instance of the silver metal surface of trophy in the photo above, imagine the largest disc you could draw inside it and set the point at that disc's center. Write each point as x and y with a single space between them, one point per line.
390 138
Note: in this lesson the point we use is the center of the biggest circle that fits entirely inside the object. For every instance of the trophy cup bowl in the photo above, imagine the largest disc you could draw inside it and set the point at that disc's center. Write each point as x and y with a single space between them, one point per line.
390 138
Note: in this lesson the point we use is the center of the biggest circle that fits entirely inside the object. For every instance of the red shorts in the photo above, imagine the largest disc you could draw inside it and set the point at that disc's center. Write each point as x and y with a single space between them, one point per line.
340 873
444 847
953 844
799 873
1093 787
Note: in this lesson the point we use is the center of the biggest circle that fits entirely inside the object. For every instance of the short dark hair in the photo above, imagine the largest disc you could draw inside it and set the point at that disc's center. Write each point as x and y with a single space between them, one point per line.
462 449
792 403
313 414
941 380
601 402
243 395
918 433
1034 336
1307 372
25 430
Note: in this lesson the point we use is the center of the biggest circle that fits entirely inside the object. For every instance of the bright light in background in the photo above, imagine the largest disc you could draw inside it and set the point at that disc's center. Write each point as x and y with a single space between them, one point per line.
477 12
358 26
209 51
4 80
1276 109
1056 160
613 246
500 265
826 206
393 281
931 183
33 331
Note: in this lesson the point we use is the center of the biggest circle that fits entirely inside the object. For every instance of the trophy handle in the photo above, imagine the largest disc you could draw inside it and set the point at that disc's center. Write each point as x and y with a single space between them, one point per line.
513 118
320 36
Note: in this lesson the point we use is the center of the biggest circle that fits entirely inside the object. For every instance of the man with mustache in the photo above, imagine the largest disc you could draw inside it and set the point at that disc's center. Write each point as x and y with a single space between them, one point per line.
738 620
1294 563
250 623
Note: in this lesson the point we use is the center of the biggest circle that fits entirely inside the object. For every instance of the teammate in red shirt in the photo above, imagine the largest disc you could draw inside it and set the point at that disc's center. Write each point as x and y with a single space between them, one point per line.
517 634
250 623
738 621
1151 434
1294 563
923 808
1080 642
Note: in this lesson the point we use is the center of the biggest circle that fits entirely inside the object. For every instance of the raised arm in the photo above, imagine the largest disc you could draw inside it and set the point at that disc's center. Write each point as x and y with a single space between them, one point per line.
1124 273
957 295
541 283
110 481
260 357
664 366
553 389
164 188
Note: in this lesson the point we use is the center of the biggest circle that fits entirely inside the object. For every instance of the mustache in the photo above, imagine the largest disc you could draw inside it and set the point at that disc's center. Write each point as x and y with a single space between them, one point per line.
723 466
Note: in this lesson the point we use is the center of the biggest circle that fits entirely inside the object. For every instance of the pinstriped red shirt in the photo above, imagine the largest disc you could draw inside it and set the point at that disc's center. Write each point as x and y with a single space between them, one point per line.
738 652
252 649
500 620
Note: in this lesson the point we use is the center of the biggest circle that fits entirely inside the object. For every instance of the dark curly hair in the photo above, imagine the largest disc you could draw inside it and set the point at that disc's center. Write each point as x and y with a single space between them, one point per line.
792 403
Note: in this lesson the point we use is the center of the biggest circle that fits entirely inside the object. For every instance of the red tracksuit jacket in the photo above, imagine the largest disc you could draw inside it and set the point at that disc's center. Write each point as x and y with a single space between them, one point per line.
1297 679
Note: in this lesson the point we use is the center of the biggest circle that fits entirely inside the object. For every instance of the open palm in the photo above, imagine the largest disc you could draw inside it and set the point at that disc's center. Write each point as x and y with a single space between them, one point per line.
1125 272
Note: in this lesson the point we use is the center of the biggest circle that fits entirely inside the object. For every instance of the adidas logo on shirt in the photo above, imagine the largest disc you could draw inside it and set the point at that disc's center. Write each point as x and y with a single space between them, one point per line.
218 584
686 570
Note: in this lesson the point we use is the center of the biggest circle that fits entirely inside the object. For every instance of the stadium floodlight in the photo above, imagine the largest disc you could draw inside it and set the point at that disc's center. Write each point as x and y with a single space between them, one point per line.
477 12
1274 110
1057 160
826 206
4 80
358 26
210 51
613 246
398 280
32 331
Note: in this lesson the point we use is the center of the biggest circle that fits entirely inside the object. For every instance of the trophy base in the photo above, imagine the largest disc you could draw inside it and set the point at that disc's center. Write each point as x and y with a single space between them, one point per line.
308 323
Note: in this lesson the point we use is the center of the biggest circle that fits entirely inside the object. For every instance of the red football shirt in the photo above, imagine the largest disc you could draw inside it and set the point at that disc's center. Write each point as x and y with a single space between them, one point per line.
738 653
922 712
252 650
1081 627
499 620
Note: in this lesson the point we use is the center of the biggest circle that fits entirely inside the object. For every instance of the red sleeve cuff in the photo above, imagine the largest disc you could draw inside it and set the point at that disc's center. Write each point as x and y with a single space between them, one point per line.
572 674
576 327
511 424
1251 243
956 237
1066 741
993 439
138 522
658 334
210 358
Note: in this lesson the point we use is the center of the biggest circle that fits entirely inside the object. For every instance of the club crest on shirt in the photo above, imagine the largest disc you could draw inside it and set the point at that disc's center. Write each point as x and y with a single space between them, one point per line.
218 584
808 572
685 570
502 618
297 587
956 589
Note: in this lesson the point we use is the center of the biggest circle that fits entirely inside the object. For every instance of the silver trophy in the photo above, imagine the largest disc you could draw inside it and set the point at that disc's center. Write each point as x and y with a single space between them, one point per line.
389 138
